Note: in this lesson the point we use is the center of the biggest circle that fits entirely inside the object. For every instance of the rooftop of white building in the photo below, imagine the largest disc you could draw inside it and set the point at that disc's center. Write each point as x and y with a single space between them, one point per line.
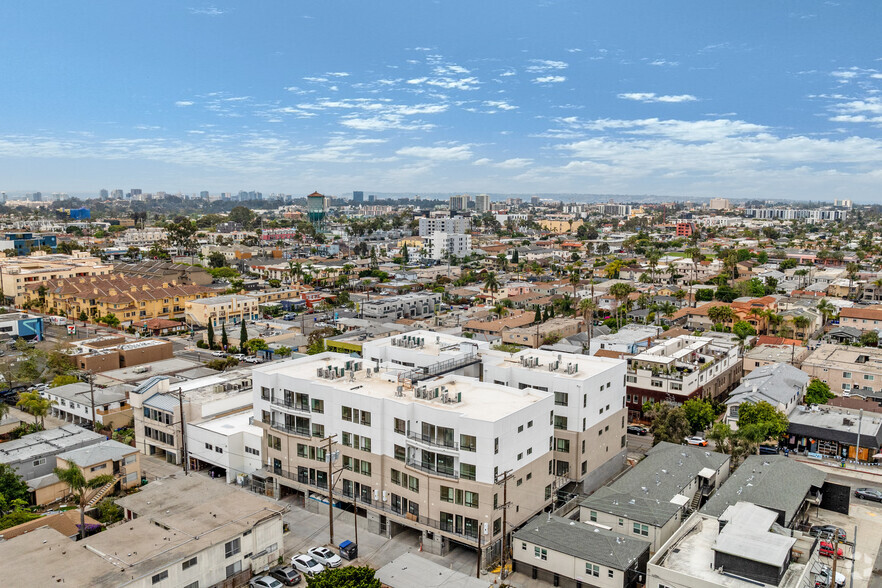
553 363
466 396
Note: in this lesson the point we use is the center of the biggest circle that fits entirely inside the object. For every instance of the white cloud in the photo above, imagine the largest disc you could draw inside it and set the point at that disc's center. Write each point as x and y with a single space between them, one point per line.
456 153
337 74
544 65
207 11
499 105
549 80
515 163
184 103
384 122
482 161
664 63
651 97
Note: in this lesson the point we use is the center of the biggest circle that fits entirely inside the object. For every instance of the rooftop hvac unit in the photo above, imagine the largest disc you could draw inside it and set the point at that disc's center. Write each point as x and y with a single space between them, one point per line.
444 397
550 367
318 372
399 391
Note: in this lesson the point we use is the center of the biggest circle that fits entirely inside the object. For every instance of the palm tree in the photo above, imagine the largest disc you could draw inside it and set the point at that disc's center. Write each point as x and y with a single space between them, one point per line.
852 270
491 284
758 314
802 323
587 307
774 320
499 310
620 291
694 253
575 278
826 308
721 314
35 404
652 258
73 476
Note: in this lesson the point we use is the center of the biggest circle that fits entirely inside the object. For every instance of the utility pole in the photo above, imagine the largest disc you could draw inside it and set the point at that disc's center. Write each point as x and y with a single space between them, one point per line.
503 479
857 449
478 570
330 457
92 396
835 557
185 461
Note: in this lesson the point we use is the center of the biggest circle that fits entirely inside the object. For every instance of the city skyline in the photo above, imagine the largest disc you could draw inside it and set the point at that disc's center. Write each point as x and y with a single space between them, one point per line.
688 99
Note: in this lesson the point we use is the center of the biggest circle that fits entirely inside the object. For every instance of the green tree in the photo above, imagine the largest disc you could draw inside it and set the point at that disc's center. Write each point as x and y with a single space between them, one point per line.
210 334
34 404
109 319
12 488
255 345
743 330
537 318
109 511
667 423
699 413
491 284
216 259
224 341
283 351
344 577
818 392
63 380
721 314
83 316
764 415
73 477
243 333
870 339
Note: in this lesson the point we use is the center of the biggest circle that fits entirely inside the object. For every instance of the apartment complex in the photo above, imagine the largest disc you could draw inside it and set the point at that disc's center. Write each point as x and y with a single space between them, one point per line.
18 272
105 353
589 407
231 309
865 319
425 456
416 305
847 369
446 224
128 298
73 404
681 368
157 408
440 246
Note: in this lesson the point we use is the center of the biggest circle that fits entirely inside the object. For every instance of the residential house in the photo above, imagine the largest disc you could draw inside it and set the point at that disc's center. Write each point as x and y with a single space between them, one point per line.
769 354
781 385
166 271
33 456
228 445
555 328
72 403
847 369
865 318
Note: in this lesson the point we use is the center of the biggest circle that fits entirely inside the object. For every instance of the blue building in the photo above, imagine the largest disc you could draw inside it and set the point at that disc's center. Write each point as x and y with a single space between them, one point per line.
24 243
80 214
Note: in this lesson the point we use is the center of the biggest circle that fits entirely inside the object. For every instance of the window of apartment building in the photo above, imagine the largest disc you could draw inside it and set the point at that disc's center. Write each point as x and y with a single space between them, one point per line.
521 429
400 453
365 418
347 413
365 467
233 569
868 377
188 564
251 450
529 450
641 529
157 578
346 439
520 456
264 393
468 443
592 515
497 528
529 424
318 430
447 494
584 467
496 445
413 483
231 548
846 374
266 417
274 442
548 492
592 570
655 383
540 553
561 399
560 422
676 386
631 379
396 478
39 462
400 426
530 476
193 584
520 481
562 445
466 471
318 405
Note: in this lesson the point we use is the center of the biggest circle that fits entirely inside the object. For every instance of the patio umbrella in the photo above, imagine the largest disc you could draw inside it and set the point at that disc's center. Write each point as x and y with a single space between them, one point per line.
877 456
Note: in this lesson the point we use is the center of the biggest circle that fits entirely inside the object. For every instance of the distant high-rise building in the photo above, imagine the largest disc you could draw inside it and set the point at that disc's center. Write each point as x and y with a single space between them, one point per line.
317 209
357 196
482 203
460 202
371 198
2 196
719 204
116 194
842 203
534 200
36 197
103 194
204 194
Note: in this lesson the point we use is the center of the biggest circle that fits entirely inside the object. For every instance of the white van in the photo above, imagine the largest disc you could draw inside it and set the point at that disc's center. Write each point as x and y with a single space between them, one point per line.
58 320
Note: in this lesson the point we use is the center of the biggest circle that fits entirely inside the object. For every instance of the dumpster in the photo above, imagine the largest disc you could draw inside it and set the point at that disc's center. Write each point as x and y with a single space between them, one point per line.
348 550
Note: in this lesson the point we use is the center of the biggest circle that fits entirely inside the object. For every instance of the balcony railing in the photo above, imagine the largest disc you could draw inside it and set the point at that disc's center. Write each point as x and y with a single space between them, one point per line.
437 471
433 441
280 401
302 431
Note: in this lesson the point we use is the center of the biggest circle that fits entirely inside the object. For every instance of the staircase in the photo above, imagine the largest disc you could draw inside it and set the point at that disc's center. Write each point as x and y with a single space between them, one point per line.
693 506
102 491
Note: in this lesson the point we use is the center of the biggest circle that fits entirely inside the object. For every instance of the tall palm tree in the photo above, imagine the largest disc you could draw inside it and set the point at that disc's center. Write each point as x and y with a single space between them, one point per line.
826 308
802 323
773 320
588 307
575 278
851 269
35 404
73 476
620 291
694 253
491 284
758 314
652 258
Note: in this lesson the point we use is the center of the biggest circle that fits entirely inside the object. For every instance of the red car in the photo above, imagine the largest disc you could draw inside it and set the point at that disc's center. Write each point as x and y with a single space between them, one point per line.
826 549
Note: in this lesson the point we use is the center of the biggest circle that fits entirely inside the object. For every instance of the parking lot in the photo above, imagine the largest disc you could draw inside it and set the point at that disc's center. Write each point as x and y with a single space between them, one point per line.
863 526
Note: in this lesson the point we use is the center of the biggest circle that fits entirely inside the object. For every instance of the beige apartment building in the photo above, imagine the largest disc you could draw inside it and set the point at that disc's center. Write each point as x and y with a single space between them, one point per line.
853 370
222 310
39 266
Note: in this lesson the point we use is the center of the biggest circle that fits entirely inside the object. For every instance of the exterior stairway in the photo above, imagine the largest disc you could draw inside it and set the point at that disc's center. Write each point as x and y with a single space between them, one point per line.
102 491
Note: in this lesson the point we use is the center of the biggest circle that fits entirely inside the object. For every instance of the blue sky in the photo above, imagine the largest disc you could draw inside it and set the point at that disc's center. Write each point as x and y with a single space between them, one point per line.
701 98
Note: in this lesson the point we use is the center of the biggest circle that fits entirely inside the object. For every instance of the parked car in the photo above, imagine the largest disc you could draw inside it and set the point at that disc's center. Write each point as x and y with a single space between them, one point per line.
239 356
218 354
696 441
264 582
828 531
826 549
823 579
325 556
868 494
637 430
306 565
253 359
286 575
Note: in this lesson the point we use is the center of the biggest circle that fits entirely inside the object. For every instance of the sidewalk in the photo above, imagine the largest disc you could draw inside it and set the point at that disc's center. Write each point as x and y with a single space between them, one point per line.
867 472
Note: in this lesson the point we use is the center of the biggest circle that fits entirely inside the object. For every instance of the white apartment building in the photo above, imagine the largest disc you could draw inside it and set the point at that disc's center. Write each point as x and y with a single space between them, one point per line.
482 203
440 246
589 407
418 454
226 445
444 224
140 237
414 305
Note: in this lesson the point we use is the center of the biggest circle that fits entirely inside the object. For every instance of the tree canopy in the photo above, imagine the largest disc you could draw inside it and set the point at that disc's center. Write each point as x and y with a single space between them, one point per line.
668 422
765 417
818 393
344 577
699 413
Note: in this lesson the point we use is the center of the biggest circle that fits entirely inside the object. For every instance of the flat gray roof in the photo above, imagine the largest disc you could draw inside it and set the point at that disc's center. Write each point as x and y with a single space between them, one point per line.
100 452
409 570
49 442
